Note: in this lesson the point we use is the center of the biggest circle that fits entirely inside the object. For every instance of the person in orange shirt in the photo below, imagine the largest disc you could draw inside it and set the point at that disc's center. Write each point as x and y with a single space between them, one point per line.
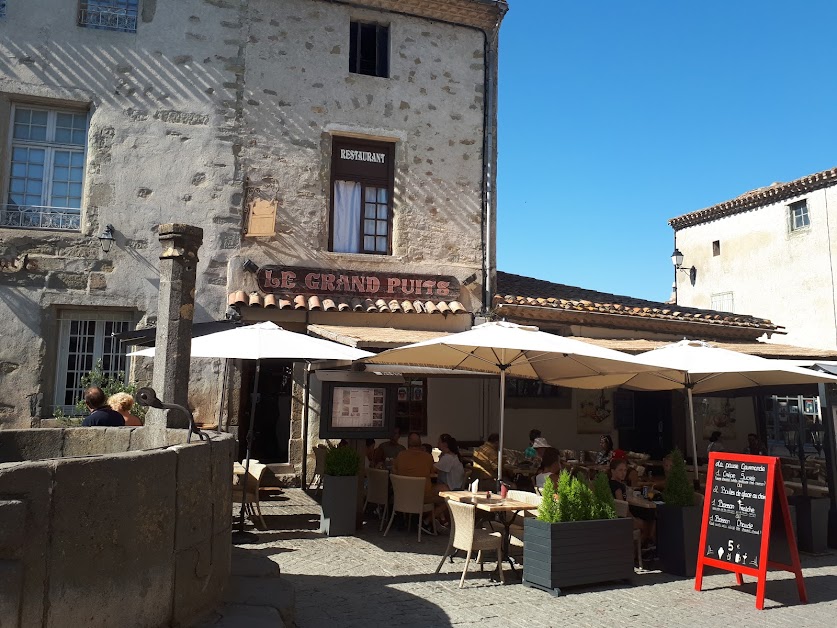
415 462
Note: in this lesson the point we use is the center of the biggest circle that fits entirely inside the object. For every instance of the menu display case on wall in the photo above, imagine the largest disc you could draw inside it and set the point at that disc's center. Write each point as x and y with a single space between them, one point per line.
784 414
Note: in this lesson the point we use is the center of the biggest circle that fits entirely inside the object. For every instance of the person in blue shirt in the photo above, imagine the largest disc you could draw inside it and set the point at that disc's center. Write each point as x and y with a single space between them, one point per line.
101 414
530 451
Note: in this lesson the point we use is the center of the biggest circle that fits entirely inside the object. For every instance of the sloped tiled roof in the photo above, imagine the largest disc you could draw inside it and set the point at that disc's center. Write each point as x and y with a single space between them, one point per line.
757 198
516 290
761 349
343 304
485 14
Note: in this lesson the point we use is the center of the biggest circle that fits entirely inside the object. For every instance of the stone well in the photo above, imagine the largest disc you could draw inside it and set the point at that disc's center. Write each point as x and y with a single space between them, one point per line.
96 529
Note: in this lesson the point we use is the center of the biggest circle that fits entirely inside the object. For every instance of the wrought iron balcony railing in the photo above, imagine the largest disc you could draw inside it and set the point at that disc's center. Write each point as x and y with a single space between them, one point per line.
120 16
39 217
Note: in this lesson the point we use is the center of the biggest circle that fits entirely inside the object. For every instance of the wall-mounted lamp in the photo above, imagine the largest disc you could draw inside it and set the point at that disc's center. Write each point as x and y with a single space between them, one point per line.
250 266
677 260
106 239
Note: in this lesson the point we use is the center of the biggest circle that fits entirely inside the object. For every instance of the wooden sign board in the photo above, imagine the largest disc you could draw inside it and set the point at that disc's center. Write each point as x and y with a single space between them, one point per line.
745 499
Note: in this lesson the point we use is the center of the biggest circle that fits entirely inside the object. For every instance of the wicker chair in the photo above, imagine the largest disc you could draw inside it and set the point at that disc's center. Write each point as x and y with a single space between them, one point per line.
517 528
377 491
408 498
465 537
251 499
623 510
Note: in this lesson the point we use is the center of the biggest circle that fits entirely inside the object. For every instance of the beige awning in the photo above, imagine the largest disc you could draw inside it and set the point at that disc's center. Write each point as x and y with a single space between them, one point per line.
377 337
761 349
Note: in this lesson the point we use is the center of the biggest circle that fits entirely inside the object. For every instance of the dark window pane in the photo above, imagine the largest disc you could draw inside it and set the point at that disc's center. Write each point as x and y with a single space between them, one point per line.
353 32
368 45
383 51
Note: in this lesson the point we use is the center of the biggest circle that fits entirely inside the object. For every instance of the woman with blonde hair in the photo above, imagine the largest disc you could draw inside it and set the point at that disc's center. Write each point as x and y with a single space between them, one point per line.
122 402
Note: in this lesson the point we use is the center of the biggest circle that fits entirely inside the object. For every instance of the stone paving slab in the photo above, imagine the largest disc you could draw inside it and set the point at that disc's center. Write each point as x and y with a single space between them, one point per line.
370 580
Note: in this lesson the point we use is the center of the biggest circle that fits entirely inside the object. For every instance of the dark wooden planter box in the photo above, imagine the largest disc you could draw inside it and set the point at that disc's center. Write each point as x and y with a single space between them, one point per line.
339 505
678 537
811 523
557 555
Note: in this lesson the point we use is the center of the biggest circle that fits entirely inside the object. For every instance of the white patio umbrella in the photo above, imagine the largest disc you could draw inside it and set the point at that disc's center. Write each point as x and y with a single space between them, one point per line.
701 368
263 341
519 351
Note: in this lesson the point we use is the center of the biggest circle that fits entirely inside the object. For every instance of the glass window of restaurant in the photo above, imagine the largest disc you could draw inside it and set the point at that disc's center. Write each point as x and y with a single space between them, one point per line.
411 406
362 181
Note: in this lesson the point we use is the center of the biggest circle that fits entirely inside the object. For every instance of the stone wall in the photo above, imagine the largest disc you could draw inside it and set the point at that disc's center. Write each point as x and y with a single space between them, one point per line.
95 530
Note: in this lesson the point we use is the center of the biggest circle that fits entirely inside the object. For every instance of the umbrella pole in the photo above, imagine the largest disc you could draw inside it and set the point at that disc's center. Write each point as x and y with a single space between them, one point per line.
694 440
502 425
250 431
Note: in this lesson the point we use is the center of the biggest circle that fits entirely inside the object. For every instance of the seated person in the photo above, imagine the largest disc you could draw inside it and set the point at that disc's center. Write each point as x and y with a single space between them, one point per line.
369 454
451 473
101 414
415 462
530 451
389 450
605 450
550 467
428 448
122 402
485 463
644 518
754 446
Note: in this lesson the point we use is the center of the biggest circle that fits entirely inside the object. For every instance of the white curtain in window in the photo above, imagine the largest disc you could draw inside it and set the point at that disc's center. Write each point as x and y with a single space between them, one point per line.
346 217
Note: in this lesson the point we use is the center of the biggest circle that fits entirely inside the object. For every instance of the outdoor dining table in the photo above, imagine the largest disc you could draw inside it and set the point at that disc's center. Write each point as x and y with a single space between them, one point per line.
508 507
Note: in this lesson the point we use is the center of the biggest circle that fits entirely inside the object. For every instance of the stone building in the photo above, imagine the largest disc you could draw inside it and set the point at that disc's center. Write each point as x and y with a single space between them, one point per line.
770 252
339 156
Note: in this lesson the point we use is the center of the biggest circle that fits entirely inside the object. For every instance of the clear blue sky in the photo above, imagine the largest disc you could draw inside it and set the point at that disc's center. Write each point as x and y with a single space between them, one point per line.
616 116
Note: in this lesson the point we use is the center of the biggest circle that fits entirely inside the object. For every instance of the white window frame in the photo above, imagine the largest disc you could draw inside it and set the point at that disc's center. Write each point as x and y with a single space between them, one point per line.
62 354
49 146
792 215
723 302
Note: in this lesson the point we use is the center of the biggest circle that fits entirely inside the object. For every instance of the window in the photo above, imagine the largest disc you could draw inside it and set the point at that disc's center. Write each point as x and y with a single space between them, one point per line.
723 302
109 15
798 216
85 338
716 248
369 49
362 184
46 170
411 407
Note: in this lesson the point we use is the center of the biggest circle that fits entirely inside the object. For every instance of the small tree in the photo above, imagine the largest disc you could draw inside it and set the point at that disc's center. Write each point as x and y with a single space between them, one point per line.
342 461
548 510
563 495
605 508
679 491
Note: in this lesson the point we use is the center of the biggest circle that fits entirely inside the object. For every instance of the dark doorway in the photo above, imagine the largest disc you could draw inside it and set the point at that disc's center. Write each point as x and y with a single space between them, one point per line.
272 429
652 431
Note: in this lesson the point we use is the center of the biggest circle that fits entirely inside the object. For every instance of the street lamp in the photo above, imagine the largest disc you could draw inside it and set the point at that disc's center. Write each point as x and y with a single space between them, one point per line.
677 260
106 239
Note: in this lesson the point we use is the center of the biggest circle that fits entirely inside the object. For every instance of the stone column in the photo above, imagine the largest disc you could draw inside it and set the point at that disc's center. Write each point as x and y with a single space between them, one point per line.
175 310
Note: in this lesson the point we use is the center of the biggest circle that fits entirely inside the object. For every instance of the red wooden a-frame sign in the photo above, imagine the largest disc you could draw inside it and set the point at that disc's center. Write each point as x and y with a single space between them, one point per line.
737 508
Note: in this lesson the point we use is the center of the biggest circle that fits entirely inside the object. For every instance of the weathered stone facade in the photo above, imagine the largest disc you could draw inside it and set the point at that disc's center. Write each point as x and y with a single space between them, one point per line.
210 96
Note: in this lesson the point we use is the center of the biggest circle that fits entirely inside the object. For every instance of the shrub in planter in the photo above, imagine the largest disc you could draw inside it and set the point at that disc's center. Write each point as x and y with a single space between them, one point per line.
576 538
678 521
340 490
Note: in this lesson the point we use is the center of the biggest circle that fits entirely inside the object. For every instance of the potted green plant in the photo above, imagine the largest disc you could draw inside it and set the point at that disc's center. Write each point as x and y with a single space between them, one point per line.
340 490
576 538
678 521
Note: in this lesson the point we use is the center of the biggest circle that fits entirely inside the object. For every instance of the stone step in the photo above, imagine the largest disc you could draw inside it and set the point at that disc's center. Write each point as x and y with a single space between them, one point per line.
268 592
237 616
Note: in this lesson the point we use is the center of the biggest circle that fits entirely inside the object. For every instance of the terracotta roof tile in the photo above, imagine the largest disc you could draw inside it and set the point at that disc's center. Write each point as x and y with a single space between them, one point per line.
756 198
343 304
528 291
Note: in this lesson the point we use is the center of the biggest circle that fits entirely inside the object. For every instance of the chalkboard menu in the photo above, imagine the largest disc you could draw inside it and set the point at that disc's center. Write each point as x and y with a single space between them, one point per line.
736 512
746 525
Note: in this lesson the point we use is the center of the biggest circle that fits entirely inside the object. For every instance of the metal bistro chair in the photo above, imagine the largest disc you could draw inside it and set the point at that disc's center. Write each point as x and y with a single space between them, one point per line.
465 537
408 497
319 467
623 510
251 500
377 491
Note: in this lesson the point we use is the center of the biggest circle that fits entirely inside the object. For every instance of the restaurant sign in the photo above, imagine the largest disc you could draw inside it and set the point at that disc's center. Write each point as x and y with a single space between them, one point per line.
325 282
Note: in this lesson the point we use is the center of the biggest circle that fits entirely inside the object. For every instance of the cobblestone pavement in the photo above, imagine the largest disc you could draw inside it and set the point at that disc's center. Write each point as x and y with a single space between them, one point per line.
371 580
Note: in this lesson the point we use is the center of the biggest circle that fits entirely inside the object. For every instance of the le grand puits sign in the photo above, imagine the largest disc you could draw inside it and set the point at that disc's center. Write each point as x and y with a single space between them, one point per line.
325 282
